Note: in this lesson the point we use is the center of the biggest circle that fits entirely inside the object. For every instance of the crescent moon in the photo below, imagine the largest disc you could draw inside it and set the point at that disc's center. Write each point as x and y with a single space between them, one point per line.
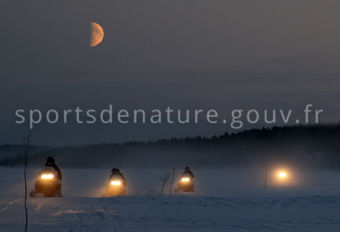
97 34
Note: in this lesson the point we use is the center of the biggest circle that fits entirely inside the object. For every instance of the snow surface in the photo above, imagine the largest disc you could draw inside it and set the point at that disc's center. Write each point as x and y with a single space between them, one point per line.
225 200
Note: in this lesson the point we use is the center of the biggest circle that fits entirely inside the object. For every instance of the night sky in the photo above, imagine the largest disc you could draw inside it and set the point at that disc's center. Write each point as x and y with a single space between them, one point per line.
195 53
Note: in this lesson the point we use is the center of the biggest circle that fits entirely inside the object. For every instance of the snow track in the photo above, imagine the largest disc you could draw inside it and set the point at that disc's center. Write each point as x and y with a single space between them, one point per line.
174 213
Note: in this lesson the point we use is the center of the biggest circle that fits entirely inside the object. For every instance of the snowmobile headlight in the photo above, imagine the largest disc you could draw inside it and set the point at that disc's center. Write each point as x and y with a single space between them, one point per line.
47 176
116 182
185 179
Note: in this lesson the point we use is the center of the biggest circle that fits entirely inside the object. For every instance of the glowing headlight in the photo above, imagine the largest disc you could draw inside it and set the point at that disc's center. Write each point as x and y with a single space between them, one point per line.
116 182
47 176
185 179
282 174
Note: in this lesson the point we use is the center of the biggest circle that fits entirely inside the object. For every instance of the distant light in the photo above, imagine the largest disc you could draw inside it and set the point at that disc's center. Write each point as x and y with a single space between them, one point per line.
48 176
116 182
282 174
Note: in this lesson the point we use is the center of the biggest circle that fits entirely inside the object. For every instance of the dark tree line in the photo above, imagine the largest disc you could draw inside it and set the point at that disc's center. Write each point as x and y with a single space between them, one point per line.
316 146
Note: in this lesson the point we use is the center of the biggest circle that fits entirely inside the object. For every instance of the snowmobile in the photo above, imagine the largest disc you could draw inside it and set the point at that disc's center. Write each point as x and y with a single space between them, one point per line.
116 186
185 184
47 184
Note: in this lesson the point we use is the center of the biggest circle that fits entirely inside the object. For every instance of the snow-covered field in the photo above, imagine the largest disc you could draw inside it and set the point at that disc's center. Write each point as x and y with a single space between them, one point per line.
225 200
